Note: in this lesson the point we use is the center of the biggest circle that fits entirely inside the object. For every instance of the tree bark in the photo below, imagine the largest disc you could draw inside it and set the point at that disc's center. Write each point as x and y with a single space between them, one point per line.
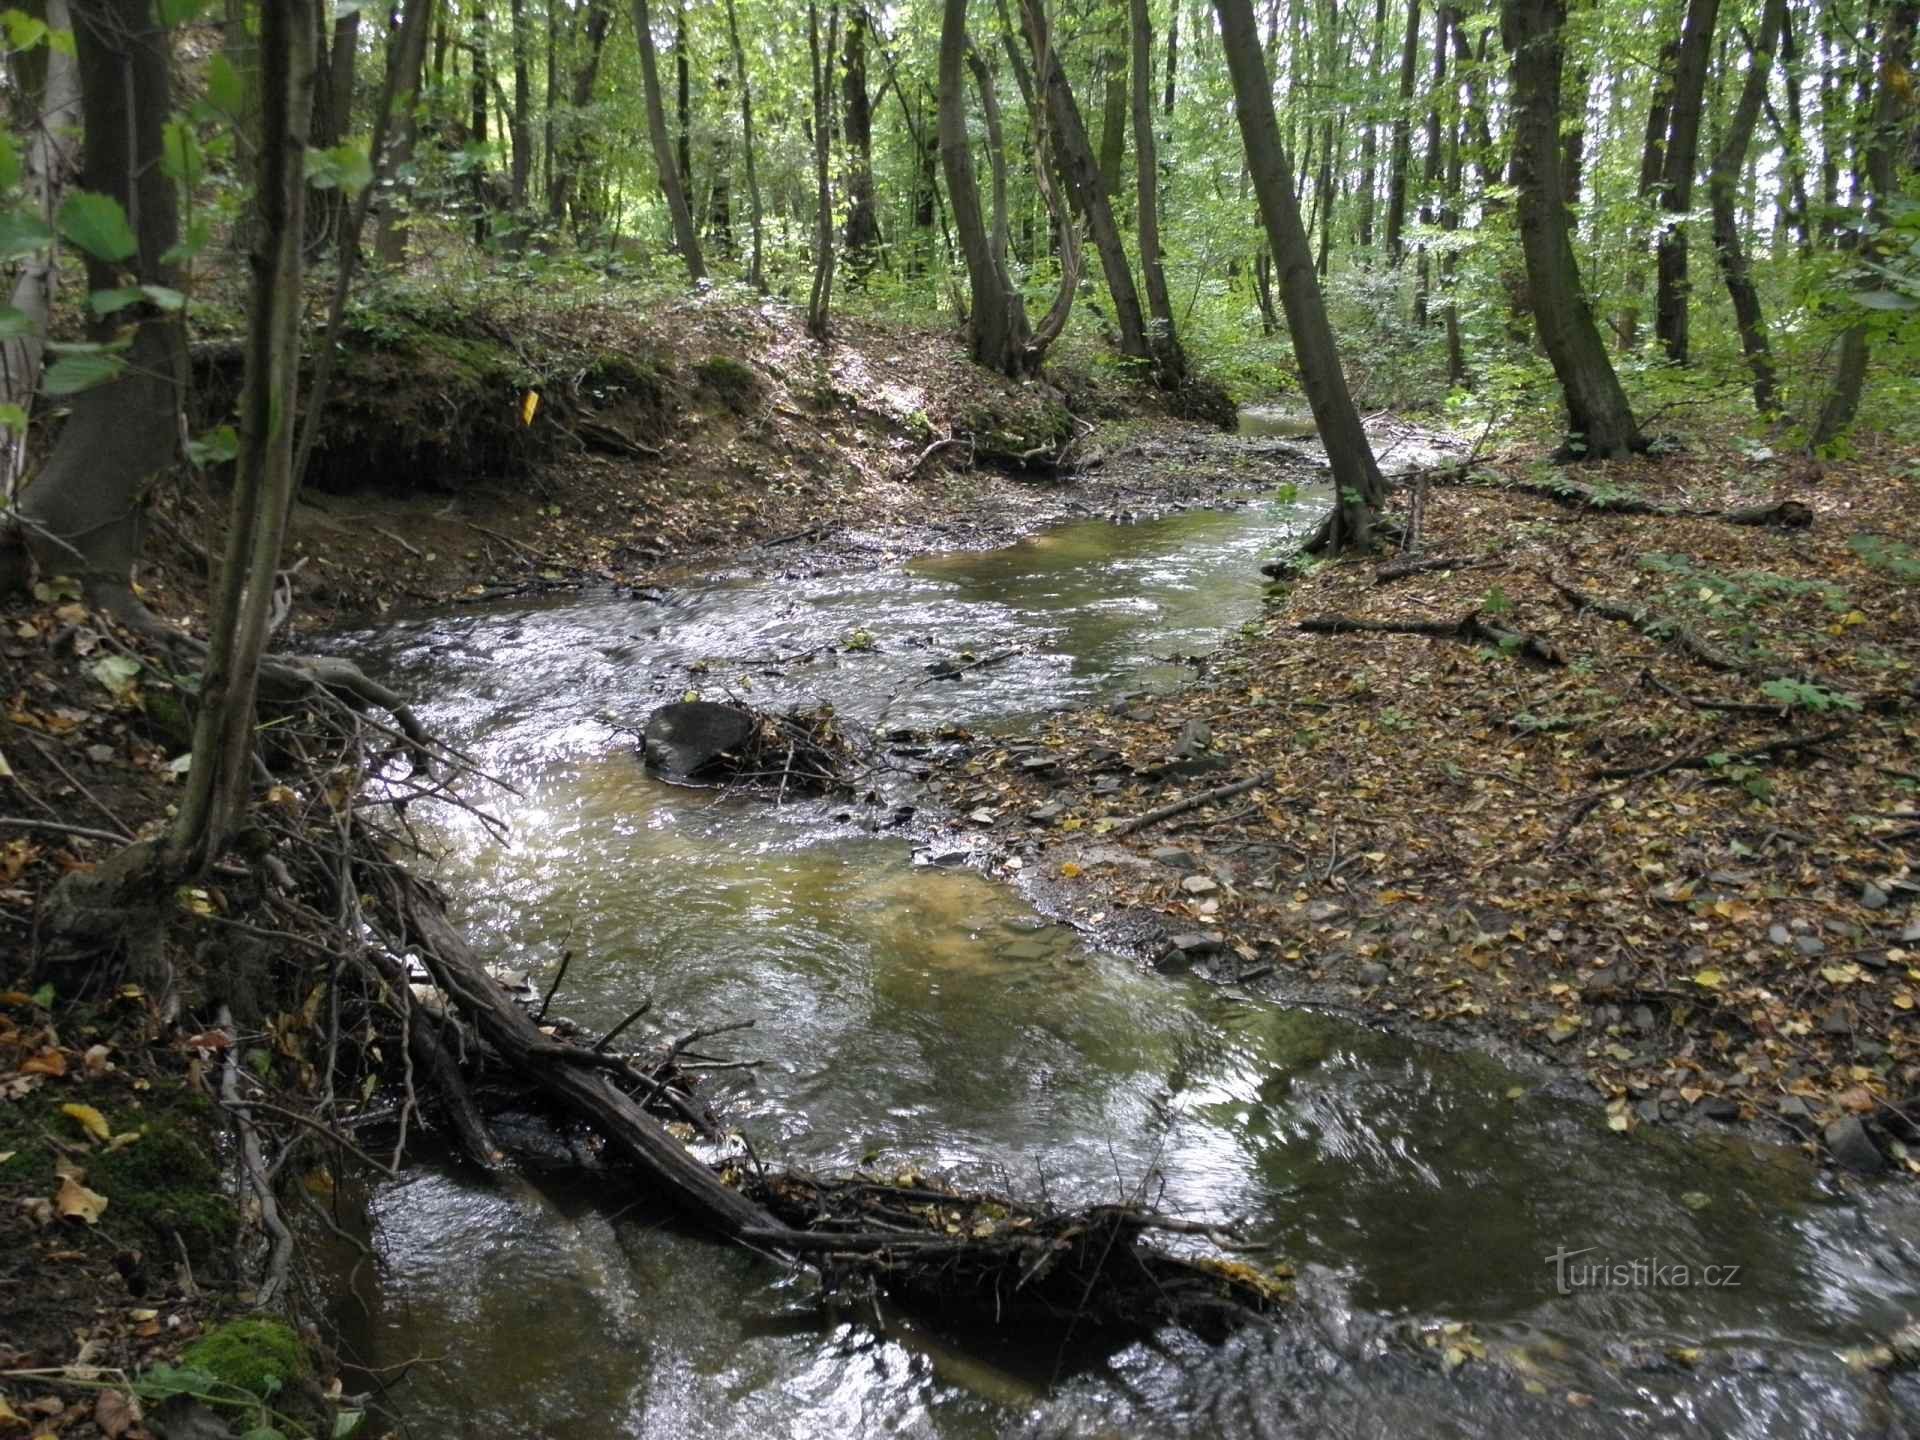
1682 159
223 739
1113 112
1170 360
683 96
1359 490
756 275
566 172
863 225
1599 419
1653 164
1884 139
1370 136
998 235
52 153
1431 168
84 508
390 235
821 298
520 122
1723 180
1085 180
1402 154
1000 332
665 164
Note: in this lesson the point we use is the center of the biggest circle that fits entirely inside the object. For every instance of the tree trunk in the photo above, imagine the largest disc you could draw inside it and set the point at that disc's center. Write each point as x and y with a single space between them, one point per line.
1431 168
998 235
84 508
566 174
1000 334
1885 137
1173 63
1170 361
668 169
756 275
390 235
1723 181
1370 137
223 738
52 153
1599 419
520 123
1653 164
821 298
477 125
863 226
1085 180
1358 488
1402 155
549 137
1682 159
1113 112
683 96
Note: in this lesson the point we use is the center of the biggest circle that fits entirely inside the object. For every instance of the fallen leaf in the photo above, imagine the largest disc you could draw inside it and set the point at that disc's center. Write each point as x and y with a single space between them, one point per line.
90 1119
47 1062
76 1202
115 1412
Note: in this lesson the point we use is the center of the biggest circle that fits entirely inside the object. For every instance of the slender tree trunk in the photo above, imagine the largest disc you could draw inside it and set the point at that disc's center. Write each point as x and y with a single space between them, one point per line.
1682 159
998 235
223 740
573 160
549 137
1431 168
52 153
683 96
332 121
1113 111
1792 135
863 225
1723 180
1883 142
1001 336
1653 164
685 240
1599 419
1085 181
477 124
1170 360
520 123
84 509
821 299
1358 487
1173 64
1370 136
1402 154
756 275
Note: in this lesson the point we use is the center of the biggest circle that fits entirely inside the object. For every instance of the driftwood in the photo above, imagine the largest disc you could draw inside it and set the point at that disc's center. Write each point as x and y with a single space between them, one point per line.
1469 627
1192 802
987 1256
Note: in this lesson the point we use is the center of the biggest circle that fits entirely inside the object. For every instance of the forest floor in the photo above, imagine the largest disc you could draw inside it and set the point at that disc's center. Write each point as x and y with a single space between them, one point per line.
1646 810
1669 854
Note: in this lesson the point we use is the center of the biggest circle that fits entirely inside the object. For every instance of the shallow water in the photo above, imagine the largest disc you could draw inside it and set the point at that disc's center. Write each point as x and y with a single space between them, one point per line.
919 1016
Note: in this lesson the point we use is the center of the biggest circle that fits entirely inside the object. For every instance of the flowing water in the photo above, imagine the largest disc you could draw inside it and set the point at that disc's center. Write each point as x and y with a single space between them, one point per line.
920 1016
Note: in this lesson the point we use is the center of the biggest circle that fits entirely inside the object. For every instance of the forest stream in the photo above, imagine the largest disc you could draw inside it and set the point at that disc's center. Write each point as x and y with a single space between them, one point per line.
921 1016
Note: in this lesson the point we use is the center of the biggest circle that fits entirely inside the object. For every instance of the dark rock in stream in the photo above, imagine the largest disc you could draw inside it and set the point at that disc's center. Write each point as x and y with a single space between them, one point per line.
687 738
1853 1148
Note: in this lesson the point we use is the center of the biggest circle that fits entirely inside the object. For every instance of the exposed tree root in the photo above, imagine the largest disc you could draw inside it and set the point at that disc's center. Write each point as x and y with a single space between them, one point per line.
1780 514
1654 626
1469 628
1401 569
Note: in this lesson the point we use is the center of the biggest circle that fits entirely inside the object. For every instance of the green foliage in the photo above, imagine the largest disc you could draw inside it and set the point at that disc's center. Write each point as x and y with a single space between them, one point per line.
259 1357
1799 694
98 225
1894 557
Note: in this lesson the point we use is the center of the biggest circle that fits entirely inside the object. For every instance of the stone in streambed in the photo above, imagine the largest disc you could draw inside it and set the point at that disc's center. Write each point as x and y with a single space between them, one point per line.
1853 1148
691 737
1174 857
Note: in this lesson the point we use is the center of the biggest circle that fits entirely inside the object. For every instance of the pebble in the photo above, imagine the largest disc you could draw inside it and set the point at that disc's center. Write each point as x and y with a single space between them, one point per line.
1374 973
1199 885
1198 943
1174 856
1809 945
1046 814
1026 950
1780 935
1853 1148
1719 1107
1836 1022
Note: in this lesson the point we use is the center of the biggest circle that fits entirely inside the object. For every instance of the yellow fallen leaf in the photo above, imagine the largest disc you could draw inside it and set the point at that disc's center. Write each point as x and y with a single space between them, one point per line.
1069 870
529 407
75 1201
1709 979
9 1418
91 1120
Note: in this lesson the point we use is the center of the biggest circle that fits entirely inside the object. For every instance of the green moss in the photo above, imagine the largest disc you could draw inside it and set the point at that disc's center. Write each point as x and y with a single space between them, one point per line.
258 1356
167 1180
734 384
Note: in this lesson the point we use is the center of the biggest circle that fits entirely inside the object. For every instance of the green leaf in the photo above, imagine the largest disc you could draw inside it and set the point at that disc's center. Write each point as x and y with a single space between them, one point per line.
9 161
43 997
1885 300
62 41
180 155
22 233
13 418
98 225
24 31
109 302
189 245
344 167
178 12
73 373
164 297
225 88
116 673
215 447
348 1422
14 323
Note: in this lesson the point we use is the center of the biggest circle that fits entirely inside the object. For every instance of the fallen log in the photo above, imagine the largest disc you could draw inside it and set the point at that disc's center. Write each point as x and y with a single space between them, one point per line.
1401 569
1192 802
1781 514
986 1255
1469 627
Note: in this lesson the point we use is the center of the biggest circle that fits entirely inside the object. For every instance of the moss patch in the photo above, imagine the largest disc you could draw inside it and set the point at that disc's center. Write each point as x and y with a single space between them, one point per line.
261 1357
729 381
168 1180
